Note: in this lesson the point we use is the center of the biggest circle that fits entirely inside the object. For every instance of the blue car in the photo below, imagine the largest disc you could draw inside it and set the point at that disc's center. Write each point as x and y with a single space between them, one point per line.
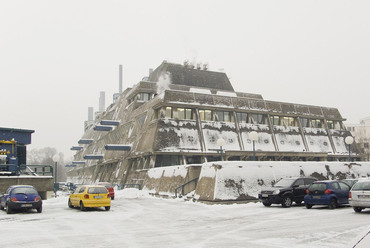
331 193
18 197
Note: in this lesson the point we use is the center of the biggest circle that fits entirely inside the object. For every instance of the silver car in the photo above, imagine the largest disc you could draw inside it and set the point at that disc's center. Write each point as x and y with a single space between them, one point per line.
359 196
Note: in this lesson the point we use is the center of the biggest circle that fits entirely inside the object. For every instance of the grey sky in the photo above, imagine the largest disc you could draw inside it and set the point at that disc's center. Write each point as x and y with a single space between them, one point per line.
56 56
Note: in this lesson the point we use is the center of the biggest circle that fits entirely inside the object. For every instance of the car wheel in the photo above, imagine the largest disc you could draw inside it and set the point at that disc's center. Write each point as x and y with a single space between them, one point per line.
82 207
8 210
266 203
70 204
39 210
2 208
287 202
308 206
107 208
357 209
333 204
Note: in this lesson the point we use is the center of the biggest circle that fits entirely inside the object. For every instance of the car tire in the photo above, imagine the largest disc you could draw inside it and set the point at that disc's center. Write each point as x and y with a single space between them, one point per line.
70 204
82 207
8 210
287 201
266 203
357 209
39 210
2 208
308 206
107 208
333 204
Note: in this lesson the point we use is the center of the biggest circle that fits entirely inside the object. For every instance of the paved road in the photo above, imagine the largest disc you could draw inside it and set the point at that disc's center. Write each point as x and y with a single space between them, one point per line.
137 220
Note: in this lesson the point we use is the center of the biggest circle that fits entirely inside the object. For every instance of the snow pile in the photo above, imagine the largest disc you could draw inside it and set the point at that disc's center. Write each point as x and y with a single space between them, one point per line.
237 180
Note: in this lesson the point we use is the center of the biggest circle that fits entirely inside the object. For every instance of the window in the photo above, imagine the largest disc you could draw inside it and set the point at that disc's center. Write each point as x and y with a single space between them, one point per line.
143 96
275 120
258 118
222 116
141 119
169 112
242 117
305 122
185 113
330 124
205 115
288 121
166 160
316 123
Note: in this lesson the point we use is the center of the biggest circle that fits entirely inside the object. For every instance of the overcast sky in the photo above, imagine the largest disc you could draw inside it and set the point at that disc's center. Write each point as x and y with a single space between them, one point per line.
56 56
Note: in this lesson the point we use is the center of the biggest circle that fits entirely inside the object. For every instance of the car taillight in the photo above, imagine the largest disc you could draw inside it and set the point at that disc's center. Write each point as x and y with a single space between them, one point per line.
14 199
350 195
307 191
37 198
328 191
86 196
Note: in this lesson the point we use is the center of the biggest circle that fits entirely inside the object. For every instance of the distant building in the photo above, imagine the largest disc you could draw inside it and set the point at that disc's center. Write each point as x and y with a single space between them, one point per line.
361 133
177 115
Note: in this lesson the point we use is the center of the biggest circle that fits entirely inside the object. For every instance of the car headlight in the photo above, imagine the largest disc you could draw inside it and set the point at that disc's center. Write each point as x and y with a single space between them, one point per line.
276 192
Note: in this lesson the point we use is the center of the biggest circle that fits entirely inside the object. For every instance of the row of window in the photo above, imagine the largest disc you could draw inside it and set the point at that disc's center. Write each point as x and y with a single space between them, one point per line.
242 117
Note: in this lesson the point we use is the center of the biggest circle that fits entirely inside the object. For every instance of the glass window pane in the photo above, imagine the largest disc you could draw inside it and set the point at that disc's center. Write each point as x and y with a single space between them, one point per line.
169 112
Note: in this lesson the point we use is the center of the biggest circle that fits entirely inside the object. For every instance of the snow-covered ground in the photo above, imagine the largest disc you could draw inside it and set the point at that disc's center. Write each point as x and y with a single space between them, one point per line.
139 220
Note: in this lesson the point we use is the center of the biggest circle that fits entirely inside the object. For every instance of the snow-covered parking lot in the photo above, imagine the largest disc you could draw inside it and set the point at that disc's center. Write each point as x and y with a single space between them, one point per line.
139 220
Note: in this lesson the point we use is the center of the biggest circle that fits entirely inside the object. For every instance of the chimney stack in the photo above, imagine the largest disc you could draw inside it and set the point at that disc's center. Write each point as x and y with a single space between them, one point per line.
90 114
102 102
120 79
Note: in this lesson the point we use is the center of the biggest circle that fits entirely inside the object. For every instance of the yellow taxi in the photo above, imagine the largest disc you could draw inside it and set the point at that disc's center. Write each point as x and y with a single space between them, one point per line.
90 196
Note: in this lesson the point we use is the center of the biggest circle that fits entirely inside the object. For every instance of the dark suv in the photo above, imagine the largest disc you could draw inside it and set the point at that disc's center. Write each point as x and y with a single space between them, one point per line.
286 191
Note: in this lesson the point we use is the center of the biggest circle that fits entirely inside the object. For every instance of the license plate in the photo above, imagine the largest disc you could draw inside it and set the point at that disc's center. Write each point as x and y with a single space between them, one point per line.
364 196
98 196
265 195
26 205
316 197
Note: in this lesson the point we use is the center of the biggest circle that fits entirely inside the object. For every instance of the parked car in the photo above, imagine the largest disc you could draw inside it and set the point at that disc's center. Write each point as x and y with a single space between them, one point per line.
328 192
90 196
359 196
286 191
109 187
350 182
18 197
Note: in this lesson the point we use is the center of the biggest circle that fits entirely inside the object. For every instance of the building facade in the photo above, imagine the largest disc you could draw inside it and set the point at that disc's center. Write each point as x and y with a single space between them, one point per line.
361 133
180 112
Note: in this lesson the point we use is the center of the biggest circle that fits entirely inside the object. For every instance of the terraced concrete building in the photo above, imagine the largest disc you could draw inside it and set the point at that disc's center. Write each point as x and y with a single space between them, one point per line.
177 115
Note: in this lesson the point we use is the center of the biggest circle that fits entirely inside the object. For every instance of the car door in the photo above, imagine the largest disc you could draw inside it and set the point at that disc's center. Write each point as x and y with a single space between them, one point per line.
299 189
344 190
77 196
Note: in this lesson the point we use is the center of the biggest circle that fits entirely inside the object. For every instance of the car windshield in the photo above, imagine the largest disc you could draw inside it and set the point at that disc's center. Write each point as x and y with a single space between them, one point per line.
317 186
284 183
24 191
97 190
361 186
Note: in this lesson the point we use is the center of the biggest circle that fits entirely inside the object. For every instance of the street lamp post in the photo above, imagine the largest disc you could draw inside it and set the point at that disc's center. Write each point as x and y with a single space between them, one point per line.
254 137
56 159
221 142
349 140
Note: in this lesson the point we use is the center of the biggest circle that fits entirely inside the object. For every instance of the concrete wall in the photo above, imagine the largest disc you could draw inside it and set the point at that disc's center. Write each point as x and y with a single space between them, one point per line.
44 185
240 180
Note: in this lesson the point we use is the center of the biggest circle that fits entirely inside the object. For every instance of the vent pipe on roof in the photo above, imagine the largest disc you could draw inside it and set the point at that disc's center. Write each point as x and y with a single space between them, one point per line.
120 80
102 102
90 114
